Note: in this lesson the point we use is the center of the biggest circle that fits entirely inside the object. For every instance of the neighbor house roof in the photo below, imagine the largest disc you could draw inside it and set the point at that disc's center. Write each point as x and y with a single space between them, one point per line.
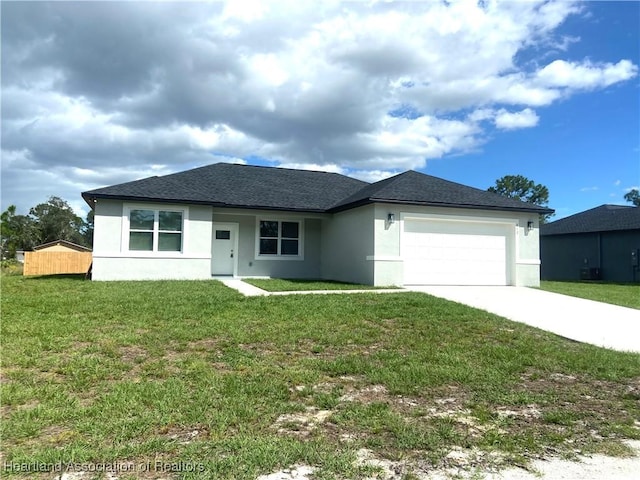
416 188
600 219
244 186
64 243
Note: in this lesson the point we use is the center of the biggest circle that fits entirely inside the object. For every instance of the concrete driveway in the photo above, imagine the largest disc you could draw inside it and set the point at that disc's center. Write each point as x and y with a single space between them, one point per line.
586 321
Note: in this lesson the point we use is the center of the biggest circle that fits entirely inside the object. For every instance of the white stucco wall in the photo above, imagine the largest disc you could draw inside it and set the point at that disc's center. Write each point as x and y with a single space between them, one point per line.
113 261
249 265
388 266
357 245
347 241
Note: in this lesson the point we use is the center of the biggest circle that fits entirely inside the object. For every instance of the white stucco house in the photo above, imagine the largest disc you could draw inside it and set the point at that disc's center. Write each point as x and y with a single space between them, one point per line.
249 221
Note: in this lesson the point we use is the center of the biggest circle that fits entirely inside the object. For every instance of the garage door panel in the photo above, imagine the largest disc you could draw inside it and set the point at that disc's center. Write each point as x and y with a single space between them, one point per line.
454 253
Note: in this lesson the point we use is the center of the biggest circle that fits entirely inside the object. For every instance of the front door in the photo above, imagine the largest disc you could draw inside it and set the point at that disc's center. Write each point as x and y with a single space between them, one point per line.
224 248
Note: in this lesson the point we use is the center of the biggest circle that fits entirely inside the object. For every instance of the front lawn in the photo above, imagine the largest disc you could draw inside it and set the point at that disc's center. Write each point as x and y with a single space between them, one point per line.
293 285
626 295
192 380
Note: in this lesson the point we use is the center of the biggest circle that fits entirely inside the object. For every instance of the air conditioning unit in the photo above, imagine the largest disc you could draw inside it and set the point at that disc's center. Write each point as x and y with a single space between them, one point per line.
590 274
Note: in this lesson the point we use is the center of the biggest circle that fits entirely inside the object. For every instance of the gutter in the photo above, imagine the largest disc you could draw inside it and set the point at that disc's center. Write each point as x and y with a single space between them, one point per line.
91 200
359 203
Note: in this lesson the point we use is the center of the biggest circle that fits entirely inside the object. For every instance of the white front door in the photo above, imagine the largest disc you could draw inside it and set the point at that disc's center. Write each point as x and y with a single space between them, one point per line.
224 259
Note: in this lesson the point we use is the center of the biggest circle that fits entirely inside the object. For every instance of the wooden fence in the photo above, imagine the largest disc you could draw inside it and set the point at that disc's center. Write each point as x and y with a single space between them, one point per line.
52 263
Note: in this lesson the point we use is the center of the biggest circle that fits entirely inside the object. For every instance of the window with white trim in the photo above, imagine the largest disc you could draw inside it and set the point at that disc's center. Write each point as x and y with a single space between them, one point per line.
279 238
155 230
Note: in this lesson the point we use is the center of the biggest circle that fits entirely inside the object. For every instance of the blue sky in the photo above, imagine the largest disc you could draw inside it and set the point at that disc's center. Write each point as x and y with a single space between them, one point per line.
585 149
96 94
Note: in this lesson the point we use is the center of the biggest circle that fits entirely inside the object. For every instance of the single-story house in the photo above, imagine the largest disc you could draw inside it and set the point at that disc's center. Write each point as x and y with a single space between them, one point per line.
250 221
598 244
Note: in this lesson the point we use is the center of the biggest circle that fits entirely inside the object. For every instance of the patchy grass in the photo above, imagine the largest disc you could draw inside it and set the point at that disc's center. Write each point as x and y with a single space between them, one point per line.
293 285
192 372
623 294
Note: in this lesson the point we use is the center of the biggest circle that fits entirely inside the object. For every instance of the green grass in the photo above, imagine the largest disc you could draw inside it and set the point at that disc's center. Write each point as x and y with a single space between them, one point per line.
193 372
292 285
626 295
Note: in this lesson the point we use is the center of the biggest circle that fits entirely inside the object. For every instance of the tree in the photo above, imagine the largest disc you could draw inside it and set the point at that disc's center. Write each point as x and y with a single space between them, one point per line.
633 196
17 232
521 188
46 222
55 220
87 231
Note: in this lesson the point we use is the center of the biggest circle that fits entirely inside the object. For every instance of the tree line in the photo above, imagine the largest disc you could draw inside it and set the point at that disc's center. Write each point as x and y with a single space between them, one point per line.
46 222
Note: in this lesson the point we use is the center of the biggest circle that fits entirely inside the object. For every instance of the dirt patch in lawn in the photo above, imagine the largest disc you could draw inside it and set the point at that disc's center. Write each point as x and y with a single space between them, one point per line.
132 354
491 435
184 434
301 424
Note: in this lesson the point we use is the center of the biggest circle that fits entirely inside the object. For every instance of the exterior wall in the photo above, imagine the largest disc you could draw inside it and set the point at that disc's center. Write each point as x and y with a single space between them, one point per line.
357 245
251 266
387 259
616 256
347 242
563 256
112 260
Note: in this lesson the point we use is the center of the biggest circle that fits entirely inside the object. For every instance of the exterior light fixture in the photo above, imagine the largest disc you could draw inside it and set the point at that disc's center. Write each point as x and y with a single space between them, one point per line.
529 225
391 218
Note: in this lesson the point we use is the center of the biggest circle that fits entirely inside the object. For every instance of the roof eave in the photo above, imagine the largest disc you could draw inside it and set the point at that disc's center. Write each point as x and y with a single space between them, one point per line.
91 199
359 203
582 232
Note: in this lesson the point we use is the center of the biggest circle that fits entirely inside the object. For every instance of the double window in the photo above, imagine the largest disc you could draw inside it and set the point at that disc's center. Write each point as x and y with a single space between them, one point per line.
279 238
155 230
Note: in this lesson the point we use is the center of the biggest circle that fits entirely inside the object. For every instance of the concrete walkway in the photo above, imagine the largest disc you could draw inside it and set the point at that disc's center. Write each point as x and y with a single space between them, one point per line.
252 291
244 288
578 319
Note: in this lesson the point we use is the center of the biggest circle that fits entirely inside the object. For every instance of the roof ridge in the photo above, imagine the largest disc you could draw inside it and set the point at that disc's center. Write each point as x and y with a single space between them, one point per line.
617 206
267 167
604 206
425 189
603 218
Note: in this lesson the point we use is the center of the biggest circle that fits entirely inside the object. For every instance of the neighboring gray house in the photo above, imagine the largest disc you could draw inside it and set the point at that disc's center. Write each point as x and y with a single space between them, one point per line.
249 221
599 244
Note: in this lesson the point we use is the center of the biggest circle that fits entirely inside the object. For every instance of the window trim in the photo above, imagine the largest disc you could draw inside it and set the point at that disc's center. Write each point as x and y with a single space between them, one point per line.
156 208
279 256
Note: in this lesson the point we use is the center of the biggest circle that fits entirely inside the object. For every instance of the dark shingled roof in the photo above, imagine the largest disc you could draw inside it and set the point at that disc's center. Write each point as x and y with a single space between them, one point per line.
604 218
243 186
231 185
416 188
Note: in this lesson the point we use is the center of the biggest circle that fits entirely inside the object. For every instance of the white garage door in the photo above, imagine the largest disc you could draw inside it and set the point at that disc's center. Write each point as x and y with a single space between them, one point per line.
437 252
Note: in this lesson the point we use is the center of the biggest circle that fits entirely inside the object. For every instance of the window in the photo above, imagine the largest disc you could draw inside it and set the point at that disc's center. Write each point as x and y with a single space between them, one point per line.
223 235
279 238
155 230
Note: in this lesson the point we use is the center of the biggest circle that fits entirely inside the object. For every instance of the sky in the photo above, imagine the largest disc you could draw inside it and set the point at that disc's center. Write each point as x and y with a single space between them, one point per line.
100 93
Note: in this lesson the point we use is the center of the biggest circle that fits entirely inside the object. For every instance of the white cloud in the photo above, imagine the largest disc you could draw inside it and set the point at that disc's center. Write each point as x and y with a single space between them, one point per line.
589 189
330 168
617 183
585 75
124 86
513 120
372 175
